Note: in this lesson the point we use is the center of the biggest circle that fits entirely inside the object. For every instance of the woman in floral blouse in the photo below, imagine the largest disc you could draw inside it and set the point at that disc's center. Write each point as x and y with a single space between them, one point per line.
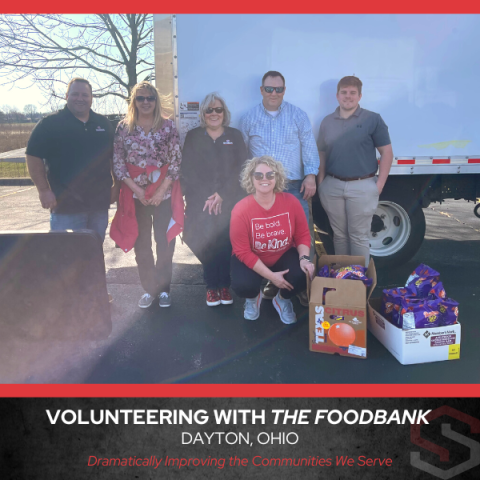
147 159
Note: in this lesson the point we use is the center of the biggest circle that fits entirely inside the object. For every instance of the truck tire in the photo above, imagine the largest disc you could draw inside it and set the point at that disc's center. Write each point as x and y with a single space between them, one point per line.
397 232
398 229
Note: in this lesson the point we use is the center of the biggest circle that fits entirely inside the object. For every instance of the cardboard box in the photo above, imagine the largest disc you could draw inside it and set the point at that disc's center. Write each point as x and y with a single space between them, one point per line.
420 345
338 319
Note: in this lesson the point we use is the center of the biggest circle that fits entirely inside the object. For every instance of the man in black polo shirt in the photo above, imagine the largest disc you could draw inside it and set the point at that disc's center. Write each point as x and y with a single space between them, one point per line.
75 182
347 182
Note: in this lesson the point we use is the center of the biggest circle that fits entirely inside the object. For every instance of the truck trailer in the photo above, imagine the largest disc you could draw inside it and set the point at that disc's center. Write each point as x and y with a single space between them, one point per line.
420 72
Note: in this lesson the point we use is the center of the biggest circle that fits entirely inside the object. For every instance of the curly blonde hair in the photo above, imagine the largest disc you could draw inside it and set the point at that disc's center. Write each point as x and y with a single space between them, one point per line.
249 168
132 113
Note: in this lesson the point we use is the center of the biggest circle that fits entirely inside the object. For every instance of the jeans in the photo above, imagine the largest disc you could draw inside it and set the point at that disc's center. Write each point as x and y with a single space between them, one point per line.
97 221
294 187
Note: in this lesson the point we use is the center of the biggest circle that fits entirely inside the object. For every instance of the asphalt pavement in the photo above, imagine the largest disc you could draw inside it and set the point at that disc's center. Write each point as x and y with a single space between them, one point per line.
193 343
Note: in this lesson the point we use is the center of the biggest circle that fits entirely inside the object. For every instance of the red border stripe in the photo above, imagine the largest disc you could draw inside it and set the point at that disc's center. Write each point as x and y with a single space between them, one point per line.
474 160
405 162
239 391
437 161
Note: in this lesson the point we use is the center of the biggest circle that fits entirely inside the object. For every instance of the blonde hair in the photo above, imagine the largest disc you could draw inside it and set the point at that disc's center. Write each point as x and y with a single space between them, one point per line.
132 113
207 101
249 168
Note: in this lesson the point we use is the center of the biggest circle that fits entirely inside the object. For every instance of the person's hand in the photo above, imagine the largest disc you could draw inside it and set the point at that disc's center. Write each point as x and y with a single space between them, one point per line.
309 187
214 204
380 186
278 280
140 193
156 198
307 267
47 199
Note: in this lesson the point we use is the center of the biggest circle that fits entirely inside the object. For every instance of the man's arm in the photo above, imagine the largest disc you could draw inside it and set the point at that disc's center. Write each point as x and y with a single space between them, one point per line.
244 128
386 159
322 169
310 158
36 169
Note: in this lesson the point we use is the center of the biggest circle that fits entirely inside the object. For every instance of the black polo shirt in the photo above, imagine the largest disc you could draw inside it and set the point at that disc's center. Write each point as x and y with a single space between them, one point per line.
77 156
350 143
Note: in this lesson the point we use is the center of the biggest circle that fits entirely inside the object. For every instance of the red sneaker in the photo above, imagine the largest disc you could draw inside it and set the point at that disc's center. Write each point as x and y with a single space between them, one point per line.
225 296
213 298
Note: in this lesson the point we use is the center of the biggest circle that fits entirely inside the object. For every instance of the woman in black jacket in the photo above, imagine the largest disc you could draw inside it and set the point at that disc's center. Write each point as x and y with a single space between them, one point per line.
213 156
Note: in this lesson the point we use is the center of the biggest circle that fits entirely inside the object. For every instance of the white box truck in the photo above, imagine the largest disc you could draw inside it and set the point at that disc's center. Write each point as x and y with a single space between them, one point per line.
420 72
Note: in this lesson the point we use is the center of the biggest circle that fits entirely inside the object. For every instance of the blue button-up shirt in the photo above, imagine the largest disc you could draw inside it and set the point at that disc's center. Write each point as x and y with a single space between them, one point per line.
288 138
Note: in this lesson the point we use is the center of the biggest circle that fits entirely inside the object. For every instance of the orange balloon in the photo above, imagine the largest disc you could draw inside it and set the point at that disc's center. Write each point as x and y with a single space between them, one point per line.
341 334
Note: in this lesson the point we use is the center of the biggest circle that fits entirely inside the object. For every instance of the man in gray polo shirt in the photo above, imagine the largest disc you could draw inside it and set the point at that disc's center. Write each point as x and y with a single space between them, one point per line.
347 183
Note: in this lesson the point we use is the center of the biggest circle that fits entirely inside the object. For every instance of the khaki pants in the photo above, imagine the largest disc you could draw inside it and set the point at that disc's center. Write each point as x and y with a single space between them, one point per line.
350 207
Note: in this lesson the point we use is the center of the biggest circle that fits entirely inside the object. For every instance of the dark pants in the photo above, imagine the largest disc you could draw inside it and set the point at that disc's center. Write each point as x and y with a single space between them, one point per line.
246 283
209 239
155 278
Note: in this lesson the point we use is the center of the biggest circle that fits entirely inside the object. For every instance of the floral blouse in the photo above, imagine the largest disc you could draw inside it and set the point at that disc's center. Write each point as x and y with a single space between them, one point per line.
155 149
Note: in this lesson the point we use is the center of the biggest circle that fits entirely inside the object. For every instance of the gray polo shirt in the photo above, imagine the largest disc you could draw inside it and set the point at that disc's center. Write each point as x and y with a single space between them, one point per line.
350 143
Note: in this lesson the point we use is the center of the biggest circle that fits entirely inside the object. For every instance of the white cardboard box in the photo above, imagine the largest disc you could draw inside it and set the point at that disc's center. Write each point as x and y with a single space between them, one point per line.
420 345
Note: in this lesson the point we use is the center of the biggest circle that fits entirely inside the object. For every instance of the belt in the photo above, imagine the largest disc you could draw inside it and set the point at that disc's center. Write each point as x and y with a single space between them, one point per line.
351 179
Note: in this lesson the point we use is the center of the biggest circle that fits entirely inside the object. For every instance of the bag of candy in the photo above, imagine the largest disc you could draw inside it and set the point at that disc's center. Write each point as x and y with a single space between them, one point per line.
423 315
353 272
424 278
437 291
392 300
448 309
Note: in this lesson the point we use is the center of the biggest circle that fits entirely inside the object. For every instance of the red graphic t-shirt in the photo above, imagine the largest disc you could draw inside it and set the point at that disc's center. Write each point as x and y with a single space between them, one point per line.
262 234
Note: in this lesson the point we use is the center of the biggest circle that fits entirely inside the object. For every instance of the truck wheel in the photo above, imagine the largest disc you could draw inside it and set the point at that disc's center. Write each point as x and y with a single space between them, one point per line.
397 231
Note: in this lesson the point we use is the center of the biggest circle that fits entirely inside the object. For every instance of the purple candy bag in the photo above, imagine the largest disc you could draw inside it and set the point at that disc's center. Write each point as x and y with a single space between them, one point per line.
448 309
392 302
437 291
353 272
324 272
424 278
423 315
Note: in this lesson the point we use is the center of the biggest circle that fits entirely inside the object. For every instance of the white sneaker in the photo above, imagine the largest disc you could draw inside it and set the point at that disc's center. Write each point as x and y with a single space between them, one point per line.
284 308
146 300
252 307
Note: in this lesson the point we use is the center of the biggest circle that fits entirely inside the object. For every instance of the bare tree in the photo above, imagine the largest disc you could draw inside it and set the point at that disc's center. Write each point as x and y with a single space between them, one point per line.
30 111
111 51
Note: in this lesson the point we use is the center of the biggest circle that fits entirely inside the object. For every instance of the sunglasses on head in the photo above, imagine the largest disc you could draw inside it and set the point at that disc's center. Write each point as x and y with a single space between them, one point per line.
141 98
271 89
259 175
210 110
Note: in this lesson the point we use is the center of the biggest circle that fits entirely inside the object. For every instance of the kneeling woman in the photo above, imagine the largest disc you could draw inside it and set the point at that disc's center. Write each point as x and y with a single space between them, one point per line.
270 239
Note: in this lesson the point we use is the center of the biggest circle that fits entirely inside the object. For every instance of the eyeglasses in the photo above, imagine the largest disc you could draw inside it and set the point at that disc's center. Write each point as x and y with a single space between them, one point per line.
149 99
271 89
259 175
216 110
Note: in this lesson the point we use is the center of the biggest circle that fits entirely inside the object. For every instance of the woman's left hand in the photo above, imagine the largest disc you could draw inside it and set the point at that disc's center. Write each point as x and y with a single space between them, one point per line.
214 204
307 267
157 197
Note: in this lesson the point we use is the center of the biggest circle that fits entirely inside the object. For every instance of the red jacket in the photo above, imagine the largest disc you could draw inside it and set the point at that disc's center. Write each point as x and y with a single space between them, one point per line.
124 229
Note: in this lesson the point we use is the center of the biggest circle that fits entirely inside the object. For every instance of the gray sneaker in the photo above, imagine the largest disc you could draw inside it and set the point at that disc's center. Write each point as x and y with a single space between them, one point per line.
269 291
165 300
146 300
284 308
303 298
252 307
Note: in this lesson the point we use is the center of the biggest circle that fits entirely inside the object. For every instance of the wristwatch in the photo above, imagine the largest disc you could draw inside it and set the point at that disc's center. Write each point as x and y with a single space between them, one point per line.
305 257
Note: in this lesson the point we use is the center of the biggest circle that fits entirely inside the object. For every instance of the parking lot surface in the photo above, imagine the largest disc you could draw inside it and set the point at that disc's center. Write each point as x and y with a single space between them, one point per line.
193 343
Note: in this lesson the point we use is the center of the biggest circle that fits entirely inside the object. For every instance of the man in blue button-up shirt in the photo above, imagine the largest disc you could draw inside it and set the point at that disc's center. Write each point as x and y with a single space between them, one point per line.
283 131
